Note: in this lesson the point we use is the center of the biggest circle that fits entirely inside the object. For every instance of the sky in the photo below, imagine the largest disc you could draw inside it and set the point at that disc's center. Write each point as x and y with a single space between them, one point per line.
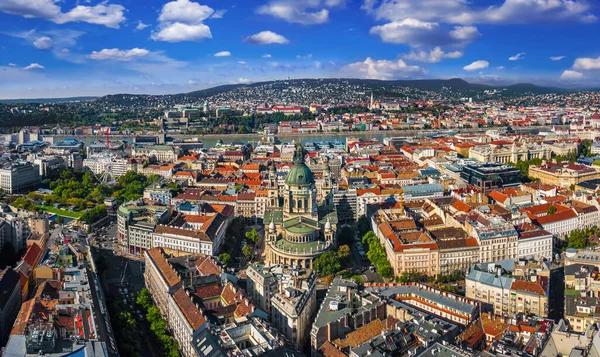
63 48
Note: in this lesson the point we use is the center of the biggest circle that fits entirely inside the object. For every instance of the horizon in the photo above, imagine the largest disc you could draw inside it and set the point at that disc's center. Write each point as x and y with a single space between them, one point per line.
157 47
494 85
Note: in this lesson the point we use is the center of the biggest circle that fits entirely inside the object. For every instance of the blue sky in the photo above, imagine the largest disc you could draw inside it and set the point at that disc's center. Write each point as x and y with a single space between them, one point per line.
51 48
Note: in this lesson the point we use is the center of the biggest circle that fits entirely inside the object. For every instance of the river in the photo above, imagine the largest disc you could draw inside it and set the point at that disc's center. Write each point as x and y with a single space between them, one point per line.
210 140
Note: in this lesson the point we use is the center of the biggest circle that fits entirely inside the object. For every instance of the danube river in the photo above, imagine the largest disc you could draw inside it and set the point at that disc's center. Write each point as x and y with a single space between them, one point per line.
210 140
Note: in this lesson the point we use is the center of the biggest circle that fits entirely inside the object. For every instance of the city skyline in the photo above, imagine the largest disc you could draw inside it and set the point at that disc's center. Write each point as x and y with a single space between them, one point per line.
71 48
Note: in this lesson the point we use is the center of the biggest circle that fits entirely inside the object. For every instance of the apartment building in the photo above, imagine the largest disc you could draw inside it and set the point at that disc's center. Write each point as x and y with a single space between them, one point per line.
160 278
19 177
490 284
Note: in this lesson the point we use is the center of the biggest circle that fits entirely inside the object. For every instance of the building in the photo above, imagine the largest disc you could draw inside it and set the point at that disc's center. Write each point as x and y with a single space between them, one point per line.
506 152
109 164
158 192
535 245
135 226
450 307
346 204
422 192
19 177
185 320
298 230
293 306
490 176
507 296
10 301
344 309
563 174
163 153
160 278
498 239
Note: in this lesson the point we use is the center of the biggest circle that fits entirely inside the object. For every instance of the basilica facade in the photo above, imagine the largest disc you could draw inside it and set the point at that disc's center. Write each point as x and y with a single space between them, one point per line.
299 228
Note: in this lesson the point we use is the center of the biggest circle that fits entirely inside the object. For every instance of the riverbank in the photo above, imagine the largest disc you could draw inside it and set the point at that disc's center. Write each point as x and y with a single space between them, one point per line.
385 133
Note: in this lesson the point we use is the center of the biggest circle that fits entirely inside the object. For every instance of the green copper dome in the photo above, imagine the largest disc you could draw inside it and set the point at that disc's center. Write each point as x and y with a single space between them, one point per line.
300 174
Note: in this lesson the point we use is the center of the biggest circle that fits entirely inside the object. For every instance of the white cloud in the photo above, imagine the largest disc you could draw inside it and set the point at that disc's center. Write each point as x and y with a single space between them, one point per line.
308 56
266 55
380 69
179 32
477 65
141 26
43 43
102 14
518 56
182 20
416 33
185 11
500 67
115 54
587 63
223 54
218 14
34 66
571 75
241 62
266 37
471 12
557 58
12 65
242 81
433 56
307 12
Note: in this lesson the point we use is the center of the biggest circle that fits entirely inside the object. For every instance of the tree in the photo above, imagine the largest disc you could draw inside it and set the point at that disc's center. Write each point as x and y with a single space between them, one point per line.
551 209
224 258
59 219
343 252
144 299
253 236
248 250
328 263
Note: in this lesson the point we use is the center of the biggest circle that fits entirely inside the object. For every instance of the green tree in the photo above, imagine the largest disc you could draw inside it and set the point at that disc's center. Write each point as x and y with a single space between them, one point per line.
59 220
253 236
224 258
328 263
551 209
248 250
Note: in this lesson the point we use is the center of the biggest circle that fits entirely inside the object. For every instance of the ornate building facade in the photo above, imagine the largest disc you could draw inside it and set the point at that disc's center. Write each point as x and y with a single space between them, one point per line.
299 230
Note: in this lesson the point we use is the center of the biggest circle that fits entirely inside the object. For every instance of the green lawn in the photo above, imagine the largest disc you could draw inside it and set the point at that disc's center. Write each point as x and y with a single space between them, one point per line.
569 292
61 212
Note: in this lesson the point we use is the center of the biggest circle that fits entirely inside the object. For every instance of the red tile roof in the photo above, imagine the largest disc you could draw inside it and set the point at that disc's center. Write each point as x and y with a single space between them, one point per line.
192 314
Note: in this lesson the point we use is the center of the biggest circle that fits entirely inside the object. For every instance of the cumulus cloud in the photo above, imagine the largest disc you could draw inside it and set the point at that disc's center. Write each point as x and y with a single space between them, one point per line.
34 66
241 62
306 12
571 75
12 65
517 57
102 14
141 26
266 55
43 43
434 56
308 56
266 38
471 12
223 54
417 33
587 64
477 65
115 54
557 58
380 69
182 20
